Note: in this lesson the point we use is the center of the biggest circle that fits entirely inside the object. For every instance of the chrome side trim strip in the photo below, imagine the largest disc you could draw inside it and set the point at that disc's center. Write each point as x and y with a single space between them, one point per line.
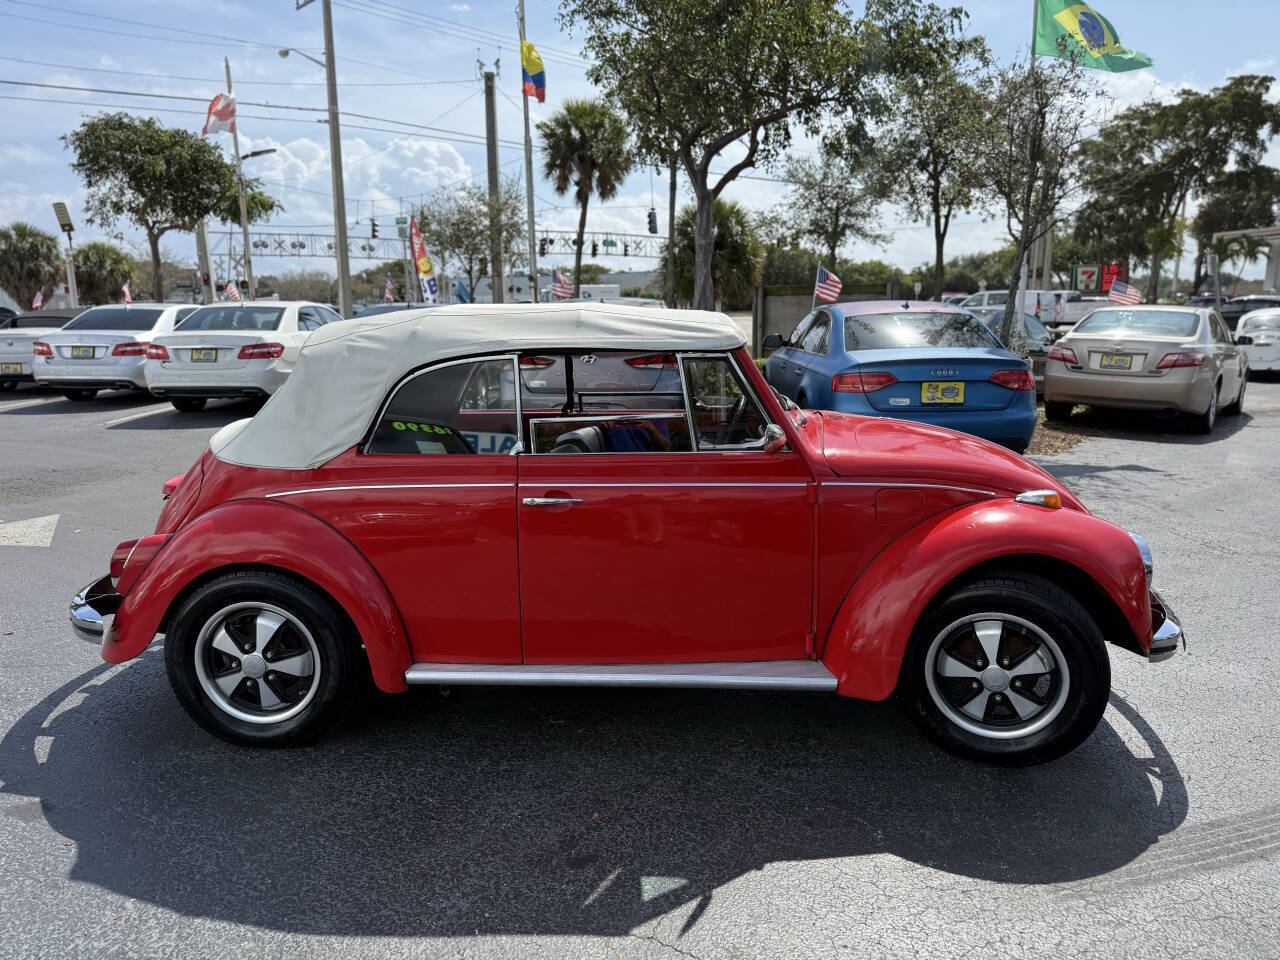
386 486
913 486
575 484
761 675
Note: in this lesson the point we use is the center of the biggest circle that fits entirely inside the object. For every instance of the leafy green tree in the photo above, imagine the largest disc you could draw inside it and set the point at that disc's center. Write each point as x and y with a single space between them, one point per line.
30 262
736 258
830 203
158 178
1236 200
101 270
584 146
318 285
711 78
455 227
789 266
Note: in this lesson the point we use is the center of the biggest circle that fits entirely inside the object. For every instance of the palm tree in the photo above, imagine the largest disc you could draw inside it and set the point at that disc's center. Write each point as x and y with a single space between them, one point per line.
584 146
29 262
737 254
101 270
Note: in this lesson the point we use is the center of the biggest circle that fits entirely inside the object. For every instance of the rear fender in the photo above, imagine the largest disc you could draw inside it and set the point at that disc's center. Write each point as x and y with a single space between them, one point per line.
869 635
267 533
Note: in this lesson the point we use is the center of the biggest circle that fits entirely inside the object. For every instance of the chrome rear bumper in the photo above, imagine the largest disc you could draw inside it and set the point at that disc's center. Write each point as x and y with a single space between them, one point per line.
90 608
1168 631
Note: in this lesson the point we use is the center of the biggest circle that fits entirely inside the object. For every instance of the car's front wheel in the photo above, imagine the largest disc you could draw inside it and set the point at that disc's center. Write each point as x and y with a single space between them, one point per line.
260 658
1008 669
188 404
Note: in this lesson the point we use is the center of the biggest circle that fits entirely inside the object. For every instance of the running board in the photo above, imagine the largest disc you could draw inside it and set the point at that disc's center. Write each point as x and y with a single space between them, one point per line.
757 675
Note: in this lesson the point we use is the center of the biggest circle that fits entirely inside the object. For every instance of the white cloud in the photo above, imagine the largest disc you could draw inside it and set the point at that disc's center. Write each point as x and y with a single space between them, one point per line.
460 7
24 155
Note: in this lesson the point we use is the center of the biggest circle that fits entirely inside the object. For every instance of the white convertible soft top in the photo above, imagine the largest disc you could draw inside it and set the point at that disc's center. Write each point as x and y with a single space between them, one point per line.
346 369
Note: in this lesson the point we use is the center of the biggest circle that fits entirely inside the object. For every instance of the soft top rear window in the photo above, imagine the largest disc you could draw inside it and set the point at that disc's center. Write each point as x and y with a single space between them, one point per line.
1117 321
226 317
915 328
116 318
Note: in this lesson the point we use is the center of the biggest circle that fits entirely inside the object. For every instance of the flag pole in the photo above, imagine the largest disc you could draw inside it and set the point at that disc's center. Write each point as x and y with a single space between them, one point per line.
814 302
244 210
528 172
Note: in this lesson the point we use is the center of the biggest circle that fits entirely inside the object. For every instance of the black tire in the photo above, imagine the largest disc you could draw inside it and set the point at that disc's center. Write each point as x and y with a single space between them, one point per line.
334 657
188 404
1205 422
1056 411
1237 406
7 385
1079 702
80 395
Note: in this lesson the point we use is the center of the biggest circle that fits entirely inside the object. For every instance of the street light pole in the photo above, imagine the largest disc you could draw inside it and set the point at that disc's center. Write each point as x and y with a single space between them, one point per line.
528 177
244 208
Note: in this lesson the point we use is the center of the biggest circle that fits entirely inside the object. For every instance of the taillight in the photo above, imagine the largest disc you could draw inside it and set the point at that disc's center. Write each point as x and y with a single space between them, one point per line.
861 382
261 351
119 557
42 349
1065 354
1181 359
1013 379
130 349
538 362
652 360
156 351
133 557
171 485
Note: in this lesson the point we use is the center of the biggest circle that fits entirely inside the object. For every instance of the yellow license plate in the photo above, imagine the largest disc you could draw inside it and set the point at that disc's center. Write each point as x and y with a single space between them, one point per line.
206 355
942 391
13 368
82 353
1116 361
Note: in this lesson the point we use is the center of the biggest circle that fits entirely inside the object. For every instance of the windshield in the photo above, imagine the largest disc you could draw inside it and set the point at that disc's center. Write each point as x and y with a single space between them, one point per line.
1157 323
116 318
915 328
53 320
233 318
1270 321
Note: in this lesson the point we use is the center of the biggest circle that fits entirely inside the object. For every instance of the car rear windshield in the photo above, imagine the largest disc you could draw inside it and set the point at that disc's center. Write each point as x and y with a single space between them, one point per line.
915 328
53 320
233 318
1118 322
116 318
1270 321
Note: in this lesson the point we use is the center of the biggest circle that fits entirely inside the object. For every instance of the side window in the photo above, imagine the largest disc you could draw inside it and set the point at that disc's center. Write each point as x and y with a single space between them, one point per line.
815 341
798 333
997 299
974 301
458 408
1218 330
327 315
307 319
726 415
183 314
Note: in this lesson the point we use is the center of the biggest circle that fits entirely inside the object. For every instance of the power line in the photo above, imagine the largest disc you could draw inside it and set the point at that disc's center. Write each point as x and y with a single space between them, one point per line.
557 51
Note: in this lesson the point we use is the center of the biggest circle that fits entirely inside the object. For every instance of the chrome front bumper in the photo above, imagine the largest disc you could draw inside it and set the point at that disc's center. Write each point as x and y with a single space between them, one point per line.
90 608
1168 631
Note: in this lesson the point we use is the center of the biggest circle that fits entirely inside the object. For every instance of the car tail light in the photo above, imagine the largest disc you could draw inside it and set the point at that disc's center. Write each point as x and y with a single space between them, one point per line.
261 351
171 485
131 558
1013 379
538 362
42 349
1065 354
130 349
1181 359
652 360
861 382
156 351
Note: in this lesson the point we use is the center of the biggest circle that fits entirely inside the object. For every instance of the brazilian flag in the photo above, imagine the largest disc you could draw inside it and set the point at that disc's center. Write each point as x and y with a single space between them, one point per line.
1063 27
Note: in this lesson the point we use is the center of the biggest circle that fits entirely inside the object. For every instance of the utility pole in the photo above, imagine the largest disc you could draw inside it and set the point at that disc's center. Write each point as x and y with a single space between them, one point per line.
244 209
670 286
202 256
528 178
495 232
335 166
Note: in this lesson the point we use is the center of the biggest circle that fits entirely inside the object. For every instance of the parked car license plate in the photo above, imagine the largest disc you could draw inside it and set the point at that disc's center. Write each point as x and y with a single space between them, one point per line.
942 391
1116 361
82 353
204 355
13 368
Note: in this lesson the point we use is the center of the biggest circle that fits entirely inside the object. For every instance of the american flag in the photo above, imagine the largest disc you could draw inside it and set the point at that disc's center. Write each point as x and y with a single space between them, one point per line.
561 287
35 304
1123 293
232 292
826 286
128 298
389 292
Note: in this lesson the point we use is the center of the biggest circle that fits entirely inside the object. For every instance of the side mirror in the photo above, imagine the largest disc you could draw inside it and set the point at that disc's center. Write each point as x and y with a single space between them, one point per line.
1244 340
774 438
773 341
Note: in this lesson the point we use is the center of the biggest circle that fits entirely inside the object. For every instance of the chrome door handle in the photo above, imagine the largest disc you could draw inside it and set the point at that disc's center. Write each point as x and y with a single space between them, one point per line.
550 501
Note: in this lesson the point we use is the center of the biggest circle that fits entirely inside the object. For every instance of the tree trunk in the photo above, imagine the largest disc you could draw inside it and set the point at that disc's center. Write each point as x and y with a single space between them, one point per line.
1153 282
704 241
669 286
157 280
1198 279
577 254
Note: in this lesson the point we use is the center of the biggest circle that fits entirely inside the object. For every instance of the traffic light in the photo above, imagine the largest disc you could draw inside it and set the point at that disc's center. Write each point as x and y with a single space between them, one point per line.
653 220
542 247
204 278
244 285
595 248
373 228
626 249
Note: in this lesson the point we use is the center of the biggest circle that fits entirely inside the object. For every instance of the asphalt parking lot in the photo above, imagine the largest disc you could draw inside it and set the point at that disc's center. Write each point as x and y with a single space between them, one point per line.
550 823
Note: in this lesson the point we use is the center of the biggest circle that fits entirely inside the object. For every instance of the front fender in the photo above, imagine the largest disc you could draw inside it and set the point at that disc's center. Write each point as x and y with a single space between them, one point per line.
869 635
266 533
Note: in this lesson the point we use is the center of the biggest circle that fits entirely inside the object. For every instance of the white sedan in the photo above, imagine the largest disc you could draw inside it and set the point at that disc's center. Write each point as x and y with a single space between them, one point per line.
1258 335
231 350
18 334
103 348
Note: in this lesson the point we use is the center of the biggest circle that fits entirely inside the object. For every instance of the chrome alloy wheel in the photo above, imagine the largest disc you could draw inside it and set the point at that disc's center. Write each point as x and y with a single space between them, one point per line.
997 675
257 662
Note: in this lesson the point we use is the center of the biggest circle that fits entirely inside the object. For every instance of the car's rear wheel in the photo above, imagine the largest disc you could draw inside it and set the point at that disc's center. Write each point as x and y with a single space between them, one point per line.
1008 669
1204 422
80 395
188 404
1053 410
1237 406
7 385
260 658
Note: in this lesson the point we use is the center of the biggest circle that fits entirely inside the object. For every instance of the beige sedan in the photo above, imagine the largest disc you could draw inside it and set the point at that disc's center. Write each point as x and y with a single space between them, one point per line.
1177 359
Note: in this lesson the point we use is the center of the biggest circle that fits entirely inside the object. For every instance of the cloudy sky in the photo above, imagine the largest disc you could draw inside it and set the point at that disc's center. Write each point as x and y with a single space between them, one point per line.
410 69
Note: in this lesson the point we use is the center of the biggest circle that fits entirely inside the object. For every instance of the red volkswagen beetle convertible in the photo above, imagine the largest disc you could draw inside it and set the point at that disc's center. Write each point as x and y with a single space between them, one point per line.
586 494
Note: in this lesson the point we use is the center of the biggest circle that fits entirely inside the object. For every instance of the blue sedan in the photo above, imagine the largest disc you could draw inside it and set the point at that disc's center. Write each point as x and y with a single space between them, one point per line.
924 361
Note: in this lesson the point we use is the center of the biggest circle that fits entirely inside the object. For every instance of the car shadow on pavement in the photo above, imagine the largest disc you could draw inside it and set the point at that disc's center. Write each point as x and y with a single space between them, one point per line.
111 401
550 811
1141 425
218 414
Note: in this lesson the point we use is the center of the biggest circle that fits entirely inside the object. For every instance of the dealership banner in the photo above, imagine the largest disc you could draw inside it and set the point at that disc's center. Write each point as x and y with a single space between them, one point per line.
422 263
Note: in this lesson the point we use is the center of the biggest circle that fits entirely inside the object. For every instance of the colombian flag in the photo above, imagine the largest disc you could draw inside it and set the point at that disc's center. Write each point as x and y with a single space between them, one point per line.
535 77
1063 27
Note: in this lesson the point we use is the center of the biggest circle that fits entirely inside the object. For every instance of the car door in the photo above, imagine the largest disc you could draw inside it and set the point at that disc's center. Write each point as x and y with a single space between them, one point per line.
1229 357
783 368
663 533
811 356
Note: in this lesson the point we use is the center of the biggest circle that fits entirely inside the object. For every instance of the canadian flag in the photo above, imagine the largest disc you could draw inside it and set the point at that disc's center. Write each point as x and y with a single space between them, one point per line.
222 115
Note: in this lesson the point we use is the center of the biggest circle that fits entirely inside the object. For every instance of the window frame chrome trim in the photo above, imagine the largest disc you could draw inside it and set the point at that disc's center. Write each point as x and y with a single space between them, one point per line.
747 391
674 483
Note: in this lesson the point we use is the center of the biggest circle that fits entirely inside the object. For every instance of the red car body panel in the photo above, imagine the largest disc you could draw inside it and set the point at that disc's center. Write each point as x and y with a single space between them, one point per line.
830 548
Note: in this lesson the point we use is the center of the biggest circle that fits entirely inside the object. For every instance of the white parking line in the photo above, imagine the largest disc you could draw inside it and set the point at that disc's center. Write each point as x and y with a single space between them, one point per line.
28 403
160 408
